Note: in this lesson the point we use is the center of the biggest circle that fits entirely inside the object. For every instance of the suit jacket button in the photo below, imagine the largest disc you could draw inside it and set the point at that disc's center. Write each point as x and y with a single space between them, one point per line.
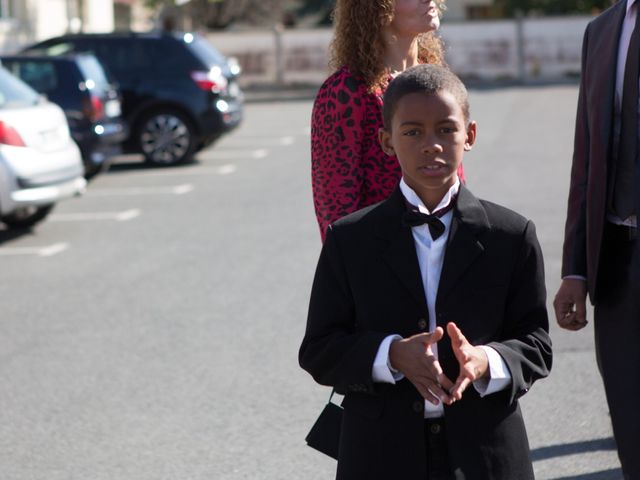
422 324
418 407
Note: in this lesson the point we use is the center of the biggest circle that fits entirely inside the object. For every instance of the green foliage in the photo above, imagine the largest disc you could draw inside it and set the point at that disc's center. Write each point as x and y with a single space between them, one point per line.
553 7
320 9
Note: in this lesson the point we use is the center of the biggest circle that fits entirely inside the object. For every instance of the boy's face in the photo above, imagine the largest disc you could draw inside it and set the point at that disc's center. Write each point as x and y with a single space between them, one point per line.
429 135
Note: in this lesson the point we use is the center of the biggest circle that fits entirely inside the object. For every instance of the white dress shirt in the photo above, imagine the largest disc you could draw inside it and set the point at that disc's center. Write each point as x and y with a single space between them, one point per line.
430 254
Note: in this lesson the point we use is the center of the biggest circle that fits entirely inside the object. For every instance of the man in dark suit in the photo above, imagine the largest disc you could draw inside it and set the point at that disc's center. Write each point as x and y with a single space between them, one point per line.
421 403
600 254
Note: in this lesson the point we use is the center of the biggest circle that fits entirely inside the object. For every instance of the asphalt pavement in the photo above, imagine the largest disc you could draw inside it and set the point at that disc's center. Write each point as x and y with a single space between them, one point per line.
150 328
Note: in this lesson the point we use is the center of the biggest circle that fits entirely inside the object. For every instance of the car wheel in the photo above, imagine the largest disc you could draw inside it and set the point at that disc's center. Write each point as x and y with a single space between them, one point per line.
26 217
166 138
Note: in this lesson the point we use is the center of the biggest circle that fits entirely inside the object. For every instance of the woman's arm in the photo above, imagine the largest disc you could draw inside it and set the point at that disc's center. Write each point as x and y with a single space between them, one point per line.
336 148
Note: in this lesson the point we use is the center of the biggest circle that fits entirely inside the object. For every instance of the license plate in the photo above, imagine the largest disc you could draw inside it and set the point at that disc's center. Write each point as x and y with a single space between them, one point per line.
112 108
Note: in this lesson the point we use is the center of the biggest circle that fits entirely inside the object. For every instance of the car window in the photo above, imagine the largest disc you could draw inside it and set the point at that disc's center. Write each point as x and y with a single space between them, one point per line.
176 57
124 54
14 92
41 76
204 50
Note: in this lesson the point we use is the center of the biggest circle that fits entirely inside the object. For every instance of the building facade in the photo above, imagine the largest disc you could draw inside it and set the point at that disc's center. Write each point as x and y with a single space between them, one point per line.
26 21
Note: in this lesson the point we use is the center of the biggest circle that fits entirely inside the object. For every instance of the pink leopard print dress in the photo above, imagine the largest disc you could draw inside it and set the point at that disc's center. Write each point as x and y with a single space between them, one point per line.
349 170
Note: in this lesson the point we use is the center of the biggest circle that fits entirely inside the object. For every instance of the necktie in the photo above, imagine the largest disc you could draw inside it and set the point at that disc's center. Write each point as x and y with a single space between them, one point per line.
623 191
414 218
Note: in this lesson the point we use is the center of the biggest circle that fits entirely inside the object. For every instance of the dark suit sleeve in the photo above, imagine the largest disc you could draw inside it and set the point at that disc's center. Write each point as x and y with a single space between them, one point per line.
574 259
334 351
525 344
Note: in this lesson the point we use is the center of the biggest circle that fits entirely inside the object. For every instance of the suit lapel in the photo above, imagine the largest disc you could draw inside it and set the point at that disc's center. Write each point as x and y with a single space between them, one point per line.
400 252
463 245
469 218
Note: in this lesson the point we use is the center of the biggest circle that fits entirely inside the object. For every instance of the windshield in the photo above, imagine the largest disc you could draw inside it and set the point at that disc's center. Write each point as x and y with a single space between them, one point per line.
14 92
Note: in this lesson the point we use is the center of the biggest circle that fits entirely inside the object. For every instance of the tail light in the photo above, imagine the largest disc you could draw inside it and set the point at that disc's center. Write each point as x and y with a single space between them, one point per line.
93 108
9 136
211 81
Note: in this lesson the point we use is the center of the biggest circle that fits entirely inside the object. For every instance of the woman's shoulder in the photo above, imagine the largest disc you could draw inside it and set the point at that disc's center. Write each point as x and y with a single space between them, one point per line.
343 79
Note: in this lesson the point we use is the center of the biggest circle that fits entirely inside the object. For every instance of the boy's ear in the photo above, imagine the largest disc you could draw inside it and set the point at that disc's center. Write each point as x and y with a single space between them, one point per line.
384 138
471 136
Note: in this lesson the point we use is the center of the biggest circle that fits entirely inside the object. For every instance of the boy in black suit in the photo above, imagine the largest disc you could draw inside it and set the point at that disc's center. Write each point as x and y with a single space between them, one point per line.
428 310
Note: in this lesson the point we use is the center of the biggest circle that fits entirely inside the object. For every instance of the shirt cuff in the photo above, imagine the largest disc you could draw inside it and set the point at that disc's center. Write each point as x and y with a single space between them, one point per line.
499 374
382 371
574 277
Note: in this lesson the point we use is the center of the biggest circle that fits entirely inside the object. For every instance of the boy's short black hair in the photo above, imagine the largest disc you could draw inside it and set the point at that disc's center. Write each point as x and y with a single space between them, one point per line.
428 79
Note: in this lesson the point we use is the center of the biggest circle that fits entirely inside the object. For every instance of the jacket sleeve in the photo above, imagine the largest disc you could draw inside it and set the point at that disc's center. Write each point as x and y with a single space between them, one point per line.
574 258
334 351
336 148
526 345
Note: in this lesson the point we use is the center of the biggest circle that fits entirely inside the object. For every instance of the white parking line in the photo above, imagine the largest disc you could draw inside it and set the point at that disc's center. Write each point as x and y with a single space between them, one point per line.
171 190
89 216
224 169
182 189
47 251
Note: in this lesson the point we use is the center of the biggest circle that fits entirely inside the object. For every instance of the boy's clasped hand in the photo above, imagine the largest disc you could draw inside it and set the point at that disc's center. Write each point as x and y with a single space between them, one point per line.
415 359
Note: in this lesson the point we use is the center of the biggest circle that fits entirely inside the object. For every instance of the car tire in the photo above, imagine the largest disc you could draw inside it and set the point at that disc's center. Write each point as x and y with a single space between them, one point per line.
26 217
166 137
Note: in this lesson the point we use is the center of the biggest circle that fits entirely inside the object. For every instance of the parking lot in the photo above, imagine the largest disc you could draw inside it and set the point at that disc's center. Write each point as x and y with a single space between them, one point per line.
150 327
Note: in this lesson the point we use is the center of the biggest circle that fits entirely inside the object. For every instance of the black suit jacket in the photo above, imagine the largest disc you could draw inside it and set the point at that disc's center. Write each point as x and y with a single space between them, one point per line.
586 213
368 285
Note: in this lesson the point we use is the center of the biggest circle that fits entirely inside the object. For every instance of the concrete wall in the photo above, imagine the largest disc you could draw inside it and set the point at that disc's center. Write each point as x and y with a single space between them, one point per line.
530 50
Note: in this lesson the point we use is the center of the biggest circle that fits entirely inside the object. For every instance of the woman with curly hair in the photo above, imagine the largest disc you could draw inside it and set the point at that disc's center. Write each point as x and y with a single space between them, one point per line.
374 40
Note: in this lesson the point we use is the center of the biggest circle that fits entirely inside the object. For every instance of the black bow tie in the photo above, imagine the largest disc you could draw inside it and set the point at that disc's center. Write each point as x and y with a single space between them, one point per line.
415 218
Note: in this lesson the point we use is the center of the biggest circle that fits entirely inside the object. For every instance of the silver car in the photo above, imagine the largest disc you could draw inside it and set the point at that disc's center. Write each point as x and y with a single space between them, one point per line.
39 162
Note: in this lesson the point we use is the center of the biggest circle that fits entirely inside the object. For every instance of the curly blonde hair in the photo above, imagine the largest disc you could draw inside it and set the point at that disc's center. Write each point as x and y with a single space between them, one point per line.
358 40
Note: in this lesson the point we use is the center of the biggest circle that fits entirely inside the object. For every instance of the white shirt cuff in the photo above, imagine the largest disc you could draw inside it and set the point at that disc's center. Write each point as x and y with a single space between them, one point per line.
381 371
574 277
499 374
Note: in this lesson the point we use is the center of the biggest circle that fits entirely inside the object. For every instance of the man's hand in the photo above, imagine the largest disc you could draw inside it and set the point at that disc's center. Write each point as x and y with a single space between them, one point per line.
570 304
414 358
474 363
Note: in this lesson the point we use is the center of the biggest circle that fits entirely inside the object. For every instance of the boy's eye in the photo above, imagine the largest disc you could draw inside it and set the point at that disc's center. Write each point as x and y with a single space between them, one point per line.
447 130
411 133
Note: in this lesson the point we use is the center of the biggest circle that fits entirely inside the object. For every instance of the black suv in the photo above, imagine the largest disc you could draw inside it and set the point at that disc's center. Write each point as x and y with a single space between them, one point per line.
178 92
79 85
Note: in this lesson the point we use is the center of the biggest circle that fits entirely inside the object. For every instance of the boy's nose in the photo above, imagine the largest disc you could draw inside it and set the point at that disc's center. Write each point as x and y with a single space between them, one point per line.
431 146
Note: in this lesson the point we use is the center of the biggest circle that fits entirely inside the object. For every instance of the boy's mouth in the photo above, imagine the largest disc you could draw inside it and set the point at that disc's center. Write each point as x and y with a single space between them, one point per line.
433 168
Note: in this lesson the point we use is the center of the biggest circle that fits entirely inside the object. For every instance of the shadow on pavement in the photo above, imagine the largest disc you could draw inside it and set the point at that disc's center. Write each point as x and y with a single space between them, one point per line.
544 453
6 234
611 474
562 450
